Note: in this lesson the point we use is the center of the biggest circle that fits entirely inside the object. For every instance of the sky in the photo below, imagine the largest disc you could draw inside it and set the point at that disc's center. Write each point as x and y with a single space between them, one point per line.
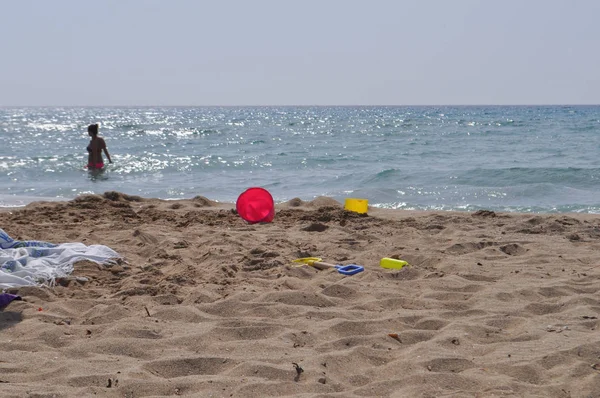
309 52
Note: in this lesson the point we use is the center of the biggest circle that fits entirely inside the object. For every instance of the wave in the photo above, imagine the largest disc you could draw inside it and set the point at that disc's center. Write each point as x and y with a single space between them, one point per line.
388 173
562 176
572 208
383 178
206 131
127 126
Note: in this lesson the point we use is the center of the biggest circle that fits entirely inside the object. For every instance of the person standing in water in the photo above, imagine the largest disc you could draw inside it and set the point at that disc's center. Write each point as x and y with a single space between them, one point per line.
95 148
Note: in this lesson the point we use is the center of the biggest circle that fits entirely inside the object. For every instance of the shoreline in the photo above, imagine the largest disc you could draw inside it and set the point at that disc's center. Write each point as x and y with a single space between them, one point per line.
207 203
206 304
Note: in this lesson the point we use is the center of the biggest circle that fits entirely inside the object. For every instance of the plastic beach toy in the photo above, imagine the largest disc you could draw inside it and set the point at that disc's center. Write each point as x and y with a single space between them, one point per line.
356 205
316 262
256 205
392 263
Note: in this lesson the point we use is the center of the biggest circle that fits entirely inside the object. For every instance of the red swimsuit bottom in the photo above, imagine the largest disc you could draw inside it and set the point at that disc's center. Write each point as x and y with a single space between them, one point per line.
95 166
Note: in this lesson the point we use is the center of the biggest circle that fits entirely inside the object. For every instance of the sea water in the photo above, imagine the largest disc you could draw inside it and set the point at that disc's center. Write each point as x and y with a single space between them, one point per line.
502 158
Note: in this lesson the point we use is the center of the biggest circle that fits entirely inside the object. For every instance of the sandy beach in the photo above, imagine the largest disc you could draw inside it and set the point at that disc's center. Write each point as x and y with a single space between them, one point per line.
206 305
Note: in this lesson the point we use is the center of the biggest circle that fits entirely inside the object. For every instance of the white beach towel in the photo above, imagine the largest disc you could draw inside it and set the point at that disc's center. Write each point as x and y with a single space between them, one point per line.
24 263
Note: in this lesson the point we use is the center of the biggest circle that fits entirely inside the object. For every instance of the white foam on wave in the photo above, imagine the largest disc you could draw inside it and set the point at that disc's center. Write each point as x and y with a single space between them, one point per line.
8 201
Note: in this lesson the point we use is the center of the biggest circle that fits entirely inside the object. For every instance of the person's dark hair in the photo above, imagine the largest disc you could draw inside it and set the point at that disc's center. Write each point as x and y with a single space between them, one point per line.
93 128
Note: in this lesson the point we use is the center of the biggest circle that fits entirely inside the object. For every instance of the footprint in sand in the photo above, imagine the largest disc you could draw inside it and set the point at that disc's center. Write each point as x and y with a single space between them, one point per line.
453 365
189 366
145 237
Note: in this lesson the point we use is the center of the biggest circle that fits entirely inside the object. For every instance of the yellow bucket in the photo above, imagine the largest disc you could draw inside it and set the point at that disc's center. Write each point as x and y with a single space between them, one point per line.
356 205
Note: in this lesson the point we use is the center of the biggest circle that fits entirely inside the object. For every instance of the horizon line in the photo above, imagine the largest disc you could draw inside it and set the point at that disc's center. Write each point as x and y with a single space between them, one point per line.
290 105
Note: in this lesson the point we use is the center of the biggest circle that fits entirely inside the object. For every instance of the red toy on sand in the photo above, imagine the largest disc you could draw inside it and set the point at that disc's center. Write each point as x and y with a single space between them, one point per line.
256 205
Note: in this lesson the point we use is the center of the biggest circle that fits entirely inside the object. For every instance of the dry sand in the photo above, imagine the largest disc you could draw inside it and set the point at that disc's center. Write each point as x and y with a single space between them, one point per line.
492 305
